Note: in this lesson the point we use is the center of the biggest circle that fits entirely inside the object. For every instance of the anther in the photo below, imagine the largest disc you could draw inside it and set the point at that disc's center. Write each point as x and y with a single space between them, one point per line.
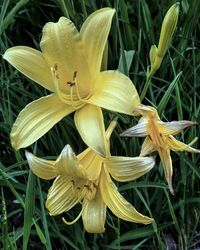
95 186
71 84
88 187
55 68
74 76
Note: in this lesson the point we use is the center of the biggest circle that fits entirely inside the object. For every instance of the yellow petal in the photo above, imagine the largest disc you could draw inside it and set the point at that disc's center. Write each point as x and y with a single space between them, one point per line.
176 145
128 168
31 63
36 119
91 163
94 214
115 91
109 131
117 204
174 127
63 49
167 166
147 147
94 34
138 130
90 125
61 196
42 168
67 164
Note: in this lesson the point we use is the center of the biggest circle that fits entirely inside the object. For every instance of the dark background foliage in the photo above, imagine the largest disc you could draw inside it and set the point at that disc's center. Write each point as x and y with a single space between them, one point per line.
135 28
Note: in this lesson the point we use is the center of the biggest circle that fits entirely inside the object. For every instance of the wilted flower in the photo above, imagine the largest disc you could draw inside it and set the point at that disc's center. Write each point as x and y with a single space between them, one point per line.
159 137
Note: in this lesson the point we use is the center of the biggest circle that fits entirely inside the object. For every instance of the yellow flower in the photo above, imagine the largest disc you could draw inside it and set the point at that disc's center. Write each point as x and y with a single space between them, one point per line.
159 137
168 26
85 179
69 66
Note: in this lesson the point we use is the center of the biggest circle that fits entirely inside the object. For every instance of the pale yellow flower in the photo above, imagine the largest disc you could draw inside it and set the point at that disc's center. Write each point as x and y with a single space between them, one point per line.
159 137
69 65
86 179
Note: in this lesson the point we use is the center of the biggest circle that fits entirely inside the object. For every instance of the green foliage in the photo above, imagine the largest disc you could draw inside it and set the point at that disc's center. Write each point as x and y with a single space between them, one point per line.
174 90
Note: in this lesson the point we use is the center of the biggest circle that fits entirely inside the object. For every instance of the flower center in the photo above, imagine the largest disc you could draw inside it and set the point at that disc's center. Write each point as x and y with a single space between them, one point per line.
68 91
159 140
84 189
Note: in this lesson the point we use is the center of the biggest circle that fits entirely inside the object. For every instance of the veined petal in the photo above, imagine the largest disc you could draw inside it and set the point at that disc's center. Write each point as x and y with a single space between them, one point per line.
167 166
94 214
63 49
147 147
44 169
174 127
90 125
176 145
91 163
138 130
31 63
128 168
94 34
117 204
61 196
36 119
67 164
115 91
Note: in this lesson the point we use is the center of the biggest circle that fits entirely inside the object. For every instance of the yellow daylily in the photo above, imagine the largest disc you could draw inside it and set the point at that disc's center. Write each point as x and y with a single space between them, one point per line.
86 179
69 66
159 137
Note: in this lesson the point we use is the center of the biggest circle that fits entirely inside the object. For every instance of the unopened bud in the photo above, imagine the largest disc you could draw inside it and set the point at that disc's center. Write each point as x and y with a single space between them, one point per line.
167 30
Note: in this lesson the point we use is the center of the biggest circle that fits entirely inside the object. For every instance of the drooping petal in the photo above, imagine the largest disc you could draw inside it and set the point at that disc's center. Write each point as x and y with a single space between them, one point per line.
63 49
147 147
31 63
174 127
90 125
117 204
114 91
94 34
138 130
44 169
94 214
176 145
167 166
61 196
128 168
67 164
36 119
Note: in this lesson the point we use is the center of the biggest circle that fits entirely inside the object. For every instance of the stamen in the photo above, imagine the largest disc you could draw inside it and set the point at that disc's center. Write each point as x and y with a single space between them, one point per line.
76 85
75 220
55 77
72 84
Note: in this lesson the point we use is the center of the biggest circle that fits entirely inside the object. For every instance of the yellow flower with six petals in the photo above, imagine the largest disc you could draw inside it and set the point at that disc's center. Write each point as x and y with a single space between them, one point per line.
86 179
69 66
159 137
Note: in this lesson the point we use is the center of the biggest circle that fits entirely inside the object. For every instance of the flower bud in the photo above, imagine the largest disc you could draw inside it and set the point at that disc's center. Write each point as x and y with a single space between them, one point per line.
167 30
